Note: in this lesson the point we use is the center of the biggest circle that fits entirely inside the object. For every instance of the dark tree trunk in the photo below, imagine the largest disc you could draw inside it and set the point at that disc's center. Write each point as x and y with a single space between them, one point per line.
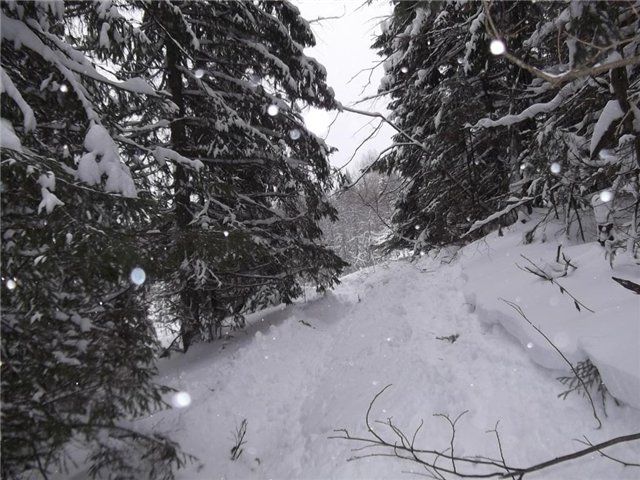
182 192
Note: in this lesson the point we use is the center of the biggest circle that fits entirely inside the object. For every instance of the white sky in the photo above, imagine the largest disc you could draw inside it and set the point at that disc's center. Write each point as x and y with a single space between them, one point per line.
343 47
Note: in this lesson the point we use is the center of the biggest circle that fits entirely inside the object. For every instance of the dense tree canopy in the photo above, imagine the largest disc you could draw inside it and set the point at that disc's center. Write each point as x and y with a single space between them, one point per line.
546 124
153 154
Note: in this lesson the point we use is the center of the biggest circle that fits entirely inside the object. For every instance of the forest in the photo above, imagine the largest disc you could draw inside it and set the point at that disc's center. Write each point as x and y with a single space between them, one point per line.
157 173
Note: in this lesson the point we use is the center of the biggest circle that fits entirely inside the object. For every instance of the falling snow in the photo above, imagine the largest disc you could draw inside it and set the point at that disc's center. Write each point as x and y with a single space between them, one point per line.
181 400
294 134
606 196
497 47
138 276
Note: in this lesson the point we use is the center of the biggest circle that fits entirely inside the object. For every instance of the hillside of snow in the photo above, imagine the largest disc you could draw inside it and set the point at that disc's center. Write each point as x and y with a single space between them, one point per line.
299 372
609 335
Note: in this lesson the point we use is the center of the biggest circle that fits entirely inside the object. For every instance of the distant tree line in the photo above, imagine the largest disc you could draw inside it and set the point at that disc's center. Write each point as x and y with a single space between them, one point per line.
364 209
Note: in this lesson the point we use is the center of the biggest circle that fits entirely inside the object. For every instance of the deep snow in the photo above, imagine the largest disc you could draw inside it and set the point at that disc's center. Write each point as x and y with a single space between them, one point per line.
299 372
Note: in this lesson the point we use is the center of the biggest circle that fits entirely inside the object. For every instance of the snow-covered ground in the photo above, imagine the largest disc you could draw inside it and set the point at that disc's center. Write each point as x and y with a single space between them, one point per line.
297 373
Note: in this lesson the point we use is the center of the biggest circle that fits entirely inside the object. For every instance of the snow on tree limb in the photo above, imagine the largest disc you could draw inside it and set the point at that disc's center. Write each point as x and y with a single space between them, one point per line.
163 154
49 201
494 216
99 143
8 137
68 60
530 112
7 86
610 113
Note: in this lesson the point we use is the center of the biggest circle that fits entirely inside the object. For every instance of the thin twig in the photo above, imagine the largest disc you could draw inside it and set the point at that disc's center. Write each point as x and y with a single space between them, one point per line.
517 308
617 460
544 275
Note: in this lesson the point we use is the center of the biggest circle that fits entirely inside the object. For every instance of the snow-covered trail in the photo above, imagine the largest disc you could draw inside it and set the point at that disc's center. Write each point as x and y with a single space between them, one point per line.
298 373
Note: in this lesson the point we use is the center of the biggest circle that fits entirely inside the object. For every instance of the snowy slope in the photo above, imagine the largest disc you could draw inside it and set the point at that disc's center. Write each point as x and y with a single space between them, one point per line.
295 383
609 336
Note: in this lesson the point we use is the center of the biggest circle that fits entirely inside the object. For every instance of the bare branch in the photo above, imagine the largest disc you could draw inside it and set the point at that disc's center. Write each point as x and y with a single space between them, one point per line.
493 468
517 308
569 75
536 270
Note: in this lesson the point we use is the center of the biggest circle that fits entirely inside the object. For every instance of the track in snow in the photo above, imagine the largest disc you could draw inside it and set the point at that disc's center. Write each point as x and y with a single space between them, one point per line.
294 384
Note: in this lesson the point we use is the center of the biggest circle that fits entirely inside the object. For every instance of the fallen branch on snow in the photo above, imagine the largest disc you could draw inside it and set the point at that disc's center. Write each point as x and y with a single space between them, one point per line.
397 444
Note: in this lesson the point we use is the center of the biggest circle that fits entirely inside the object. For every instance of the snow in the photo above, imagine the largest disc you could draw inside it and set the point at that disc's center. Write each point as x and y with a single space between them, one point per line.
603 207
181 400
609 337
475 30
162 154
100 145
138 276
62 358
497 47
610 113
494 216
297 373
550 27
84 323
530 112
8 137
418 21
47 180
105 42
49 201
67 60
138 85
7 86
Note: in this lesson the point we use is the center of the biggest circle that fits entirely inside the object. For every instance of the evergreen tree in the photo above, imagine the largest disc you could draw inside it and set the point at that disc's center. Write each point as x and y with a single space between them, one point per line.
77 347
248 179
489 135
175 143
441 77
584 130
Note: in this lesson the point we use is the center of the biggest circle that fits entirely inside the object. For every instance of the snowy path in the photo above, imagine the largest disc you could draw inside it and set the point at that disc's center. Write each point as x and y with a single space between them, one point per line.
295 383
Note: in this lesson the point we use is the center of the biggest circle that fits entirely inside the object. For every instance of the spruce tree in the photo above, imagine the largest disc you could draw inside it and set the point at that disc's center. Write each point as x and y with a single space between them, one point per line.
78 348
581 154
247 178
493 135
441 77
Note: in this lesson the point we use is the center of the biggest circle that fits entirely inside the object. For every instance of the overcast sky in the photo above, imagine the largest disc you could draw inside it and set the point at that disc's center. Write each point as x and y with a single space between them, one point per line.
343 47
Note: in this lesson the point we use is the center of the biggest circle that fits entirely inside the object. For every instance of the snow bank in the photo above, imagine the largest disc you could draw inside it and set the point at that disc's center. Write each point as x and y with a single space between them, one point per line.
297 373
610 337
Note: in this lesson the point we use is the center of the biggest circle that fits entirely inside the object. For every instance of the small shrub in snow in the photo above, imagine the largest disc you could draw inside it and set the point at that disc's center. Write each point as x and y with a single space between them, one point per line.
591 378
239 435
